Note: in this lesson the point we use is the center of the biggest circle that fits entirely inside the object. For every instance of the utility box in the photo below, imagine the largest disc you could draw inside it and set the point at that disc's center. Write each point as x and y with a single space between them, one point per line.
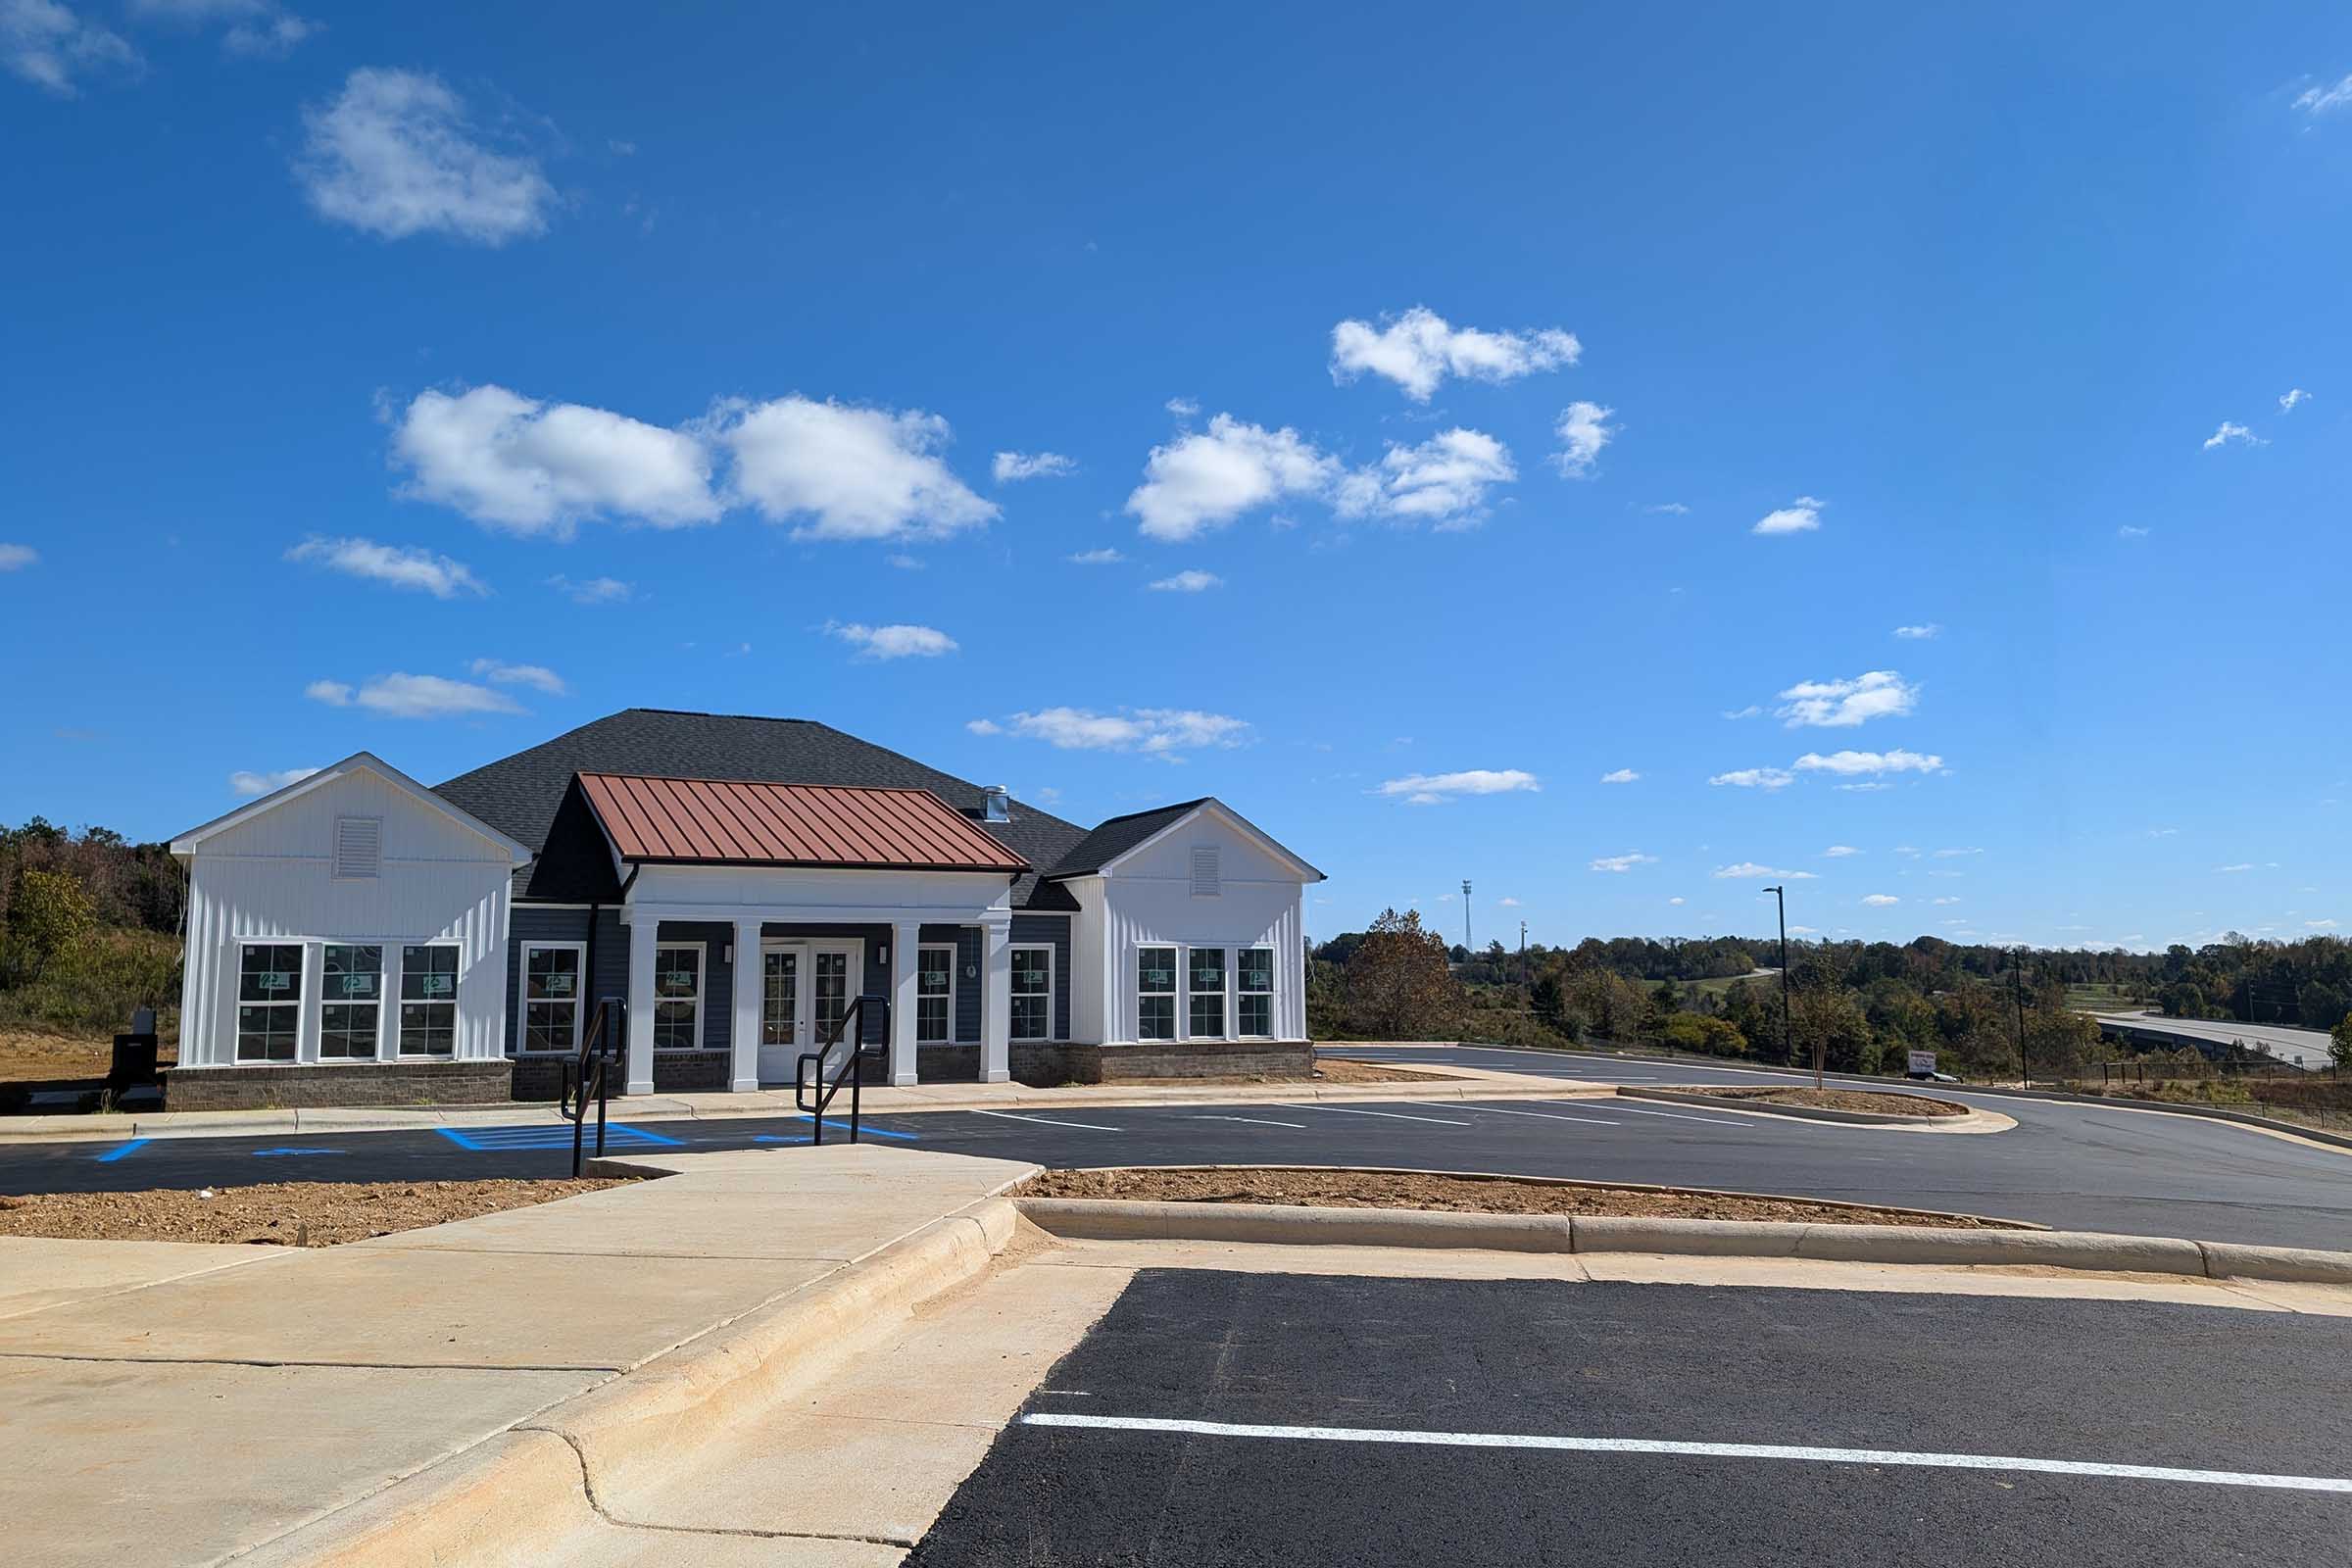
134 1060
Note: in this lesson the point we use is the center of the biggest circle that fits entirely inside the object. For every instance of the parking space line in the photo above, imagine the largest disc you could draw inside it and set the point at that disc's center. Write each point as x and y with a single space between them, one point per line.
1048 1122
1393 1115
1704 1451
1256 1121
1683 1115
1539 1115
120 1150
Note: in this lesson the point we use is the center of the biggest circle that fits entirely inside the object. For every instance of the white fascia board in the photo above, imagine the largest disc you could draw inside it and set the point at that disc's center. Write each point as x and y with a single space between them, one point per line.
185 845
1231 819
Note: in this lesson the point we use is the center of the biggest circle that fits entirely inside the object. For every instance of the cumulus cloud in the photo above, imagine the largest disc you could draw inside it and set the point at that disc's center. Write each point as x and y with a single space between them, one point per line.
2230 432
1105 557
1801 516
593 590
534 467
1880 901
1154 731
256 29
2241 865
850 473
536 677
394 155
1189 582
1583 431
1622 862
1622 776
1420 349
893 642
1443 480
1205 478
1750 711
1749 868
2292 395
50 46
1842 704
1756 779
405 696
1850 762
1011 466
1433 789
263 783
1919 634
397 566
16 558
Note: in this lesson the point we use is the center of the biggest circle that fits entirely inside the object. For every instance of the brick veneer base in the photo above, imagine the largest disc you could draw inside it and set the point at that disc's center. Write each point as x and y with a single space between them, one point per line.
297 1086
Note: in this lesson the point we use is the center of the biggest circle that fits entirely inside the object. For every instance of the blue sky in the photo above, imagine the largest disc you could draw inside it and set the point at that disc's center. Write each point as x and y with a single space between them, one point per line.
1410 422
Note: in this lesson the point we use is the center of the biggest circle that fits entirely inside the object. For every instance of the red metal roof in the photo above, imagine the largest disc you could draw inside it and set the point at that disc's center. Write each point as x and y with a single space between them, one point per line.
730 821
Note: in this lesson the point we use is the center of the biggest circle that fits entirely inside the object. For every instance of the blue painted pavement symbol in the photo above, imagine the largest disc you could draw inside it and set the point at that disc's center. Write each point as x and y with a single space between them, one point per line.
497 1139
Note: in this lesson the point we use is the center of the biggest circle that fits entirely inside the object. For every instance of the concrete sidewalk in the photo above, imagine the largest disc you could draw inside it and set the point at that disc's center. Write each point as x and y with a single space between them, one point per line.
1440 1083
184 1405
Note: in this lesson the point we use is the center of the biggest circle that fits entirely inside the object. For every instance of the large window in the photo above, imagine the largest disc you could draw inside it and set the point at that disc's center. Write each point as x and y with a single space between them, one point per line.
351 1002
935 995
551 995
678 997
1253 980
1156 993
1208 992
268 1000
429 1001
1032 993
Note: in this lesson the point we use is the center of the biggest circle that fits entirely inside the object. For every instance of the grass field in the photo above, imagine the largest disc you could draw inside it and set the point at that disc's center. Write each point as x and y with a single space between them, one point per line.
2089 997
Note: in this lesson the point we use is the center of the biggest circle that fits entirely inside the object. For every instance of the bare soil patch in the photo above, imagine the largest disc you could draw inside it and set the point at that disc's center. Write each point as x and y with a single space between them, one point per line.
1472 1195
1864 1099
275 1214
33 1054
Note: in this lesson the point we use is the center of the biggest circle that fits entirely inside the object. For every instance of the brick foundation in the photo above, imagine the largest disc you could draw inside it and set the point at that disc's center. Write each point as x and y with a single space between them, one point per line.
297 1087
681 1072
1043 1064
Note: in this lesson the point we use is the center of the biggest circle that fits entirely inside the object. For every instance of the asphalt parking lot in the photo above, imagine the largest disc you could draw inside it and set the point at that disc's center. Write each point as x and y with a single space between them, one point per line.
1218 1418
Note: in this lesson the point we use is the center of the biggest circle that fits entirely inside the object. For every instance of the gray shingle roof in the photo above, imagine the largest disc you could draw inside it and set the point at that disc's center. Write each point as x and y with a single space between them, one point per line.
520 795
1114 838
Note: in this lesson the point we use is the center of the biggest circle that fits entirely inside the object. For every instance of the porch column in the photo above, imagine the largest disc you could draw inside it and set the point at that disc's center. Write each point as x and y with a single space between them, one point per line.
906 953
642 932
743 1074
996 1002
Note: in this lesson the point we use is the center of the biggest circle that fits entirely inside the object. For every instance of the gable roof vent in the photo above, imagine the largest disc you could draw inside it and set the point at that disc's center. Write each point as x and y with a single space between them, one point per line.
996 803
358 847
1207 882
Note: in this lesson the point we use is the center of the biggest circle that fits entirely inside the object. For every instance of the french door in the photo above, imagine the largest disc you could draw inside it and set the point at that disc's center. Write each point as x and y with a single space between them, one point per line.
806 989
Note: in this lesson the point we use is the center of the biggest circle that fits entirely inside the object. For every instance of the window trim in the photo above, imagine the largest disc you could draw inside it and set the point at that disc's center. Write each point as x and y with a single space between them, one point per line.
701 998
954 988
1174 993
318 1043
1224 992
400 1045
1272 993
237 1002
523 998
1053 977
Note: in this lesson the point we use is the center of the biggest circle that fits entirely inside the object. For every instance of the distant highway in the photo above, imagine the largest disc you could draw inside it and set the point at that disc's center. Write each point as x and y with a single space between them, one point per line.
2305 1048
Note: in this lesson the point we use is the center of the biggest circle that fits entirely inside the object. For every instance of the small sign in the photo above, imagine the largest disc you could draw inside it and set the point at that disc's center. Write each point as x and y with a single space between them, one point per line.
679 980
359 985
556 985
438 985
275 980
1923 1064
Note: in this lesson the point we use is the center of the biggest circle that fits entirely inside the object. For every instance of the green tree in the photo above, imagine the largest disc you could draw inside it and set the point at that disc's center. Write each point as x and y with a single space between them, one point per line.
1399 987
47 913
2339 1043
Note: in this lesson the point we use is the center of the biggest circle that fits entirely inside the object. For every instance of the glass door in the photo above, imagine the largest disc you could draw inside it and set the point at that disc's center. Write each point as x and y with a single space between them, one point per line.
829 970
783 1022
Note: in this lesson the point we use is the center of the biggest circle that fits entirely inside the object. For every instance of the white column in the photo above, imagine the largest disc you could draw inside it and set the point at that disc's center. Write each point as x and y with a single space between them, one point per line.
906 953
642 932
749 981
996 1002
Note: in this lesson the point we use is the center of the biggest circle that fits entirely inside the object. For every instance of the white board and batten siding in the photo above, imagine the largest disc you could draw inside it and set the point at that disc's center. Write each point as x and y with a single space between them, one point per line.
1206 881
295 867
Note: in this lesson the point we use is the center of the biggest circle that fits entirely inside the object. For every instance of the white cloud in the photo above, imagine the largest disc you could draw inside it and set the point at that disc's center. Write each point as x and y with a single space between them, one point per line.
1014 466
1419 348
394 564
1919 634
393 155
2326 97
2128 531
1622 862
16 558
1896 762
903 561
1677 902
1880 901
1433 789
1750 711
1947 899
1756 779
2241 865
1749 868
593 590
1183 408
1671 507
1801 516
536 677
257 29
1507 904
1954 854
1204 479
1443 480
1622 776
536 467
2230 432
404 696
1583 431
2163 832
1838 852
856 472
1843 704
1189 582
2320 925
1105 557
894 642
245 783
48 45
1154 731
2290 397
1870 787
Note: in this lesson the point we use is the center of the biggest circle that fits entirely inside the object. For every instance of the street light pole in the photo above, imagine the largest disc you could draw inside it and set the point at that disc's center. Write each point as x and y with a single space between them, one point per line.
1789 1040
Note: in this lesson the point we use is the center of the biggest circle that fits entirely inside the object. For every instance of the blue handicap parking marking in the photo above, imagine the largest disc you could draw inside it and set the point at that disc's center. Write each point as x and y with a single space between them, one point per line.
771 1137
120 1150
867 1129
291 1150
497 1139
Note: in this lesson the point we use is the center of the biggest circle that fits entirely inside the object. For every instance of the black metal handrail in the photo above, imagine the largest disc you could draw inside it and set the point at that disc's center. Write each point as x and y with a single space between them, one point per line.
852 1070
589 1075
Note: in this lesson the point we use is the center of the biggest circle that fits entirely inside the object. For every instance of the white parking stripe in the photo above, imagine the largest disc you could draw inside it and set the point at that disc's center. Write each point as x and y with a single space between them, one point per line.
1256 1121
1704 1451
1683 1115
1539 1115
1048 1122
1393 1115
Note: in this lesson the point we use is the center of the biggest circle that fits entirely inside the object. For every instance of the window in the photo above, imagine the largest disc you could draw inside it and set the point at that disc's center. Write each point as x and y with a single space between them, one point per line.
832 998
358 847
679 997
268 1000
429 1001
551 995
935 995
779 997
1032 993
1156 993
1207 882
1208 992
351 1002
1253 978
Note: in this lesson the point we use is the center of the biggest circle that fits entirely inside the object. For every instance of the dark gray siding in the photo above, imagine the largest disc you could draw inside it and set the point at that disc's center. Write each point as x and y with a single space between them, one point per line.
966 938
1031 929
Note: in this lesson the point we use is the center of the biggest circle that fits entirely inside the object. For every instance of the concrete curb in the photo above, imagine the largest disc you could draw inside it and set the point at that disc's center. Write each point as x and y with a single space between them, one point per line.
511 1498
1861 1118
1099 1219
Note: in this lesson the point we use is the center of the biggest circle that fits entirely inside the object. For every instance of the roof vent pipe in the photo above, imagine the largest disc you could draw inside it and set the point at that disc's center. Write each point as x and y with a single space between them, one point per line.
997 804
